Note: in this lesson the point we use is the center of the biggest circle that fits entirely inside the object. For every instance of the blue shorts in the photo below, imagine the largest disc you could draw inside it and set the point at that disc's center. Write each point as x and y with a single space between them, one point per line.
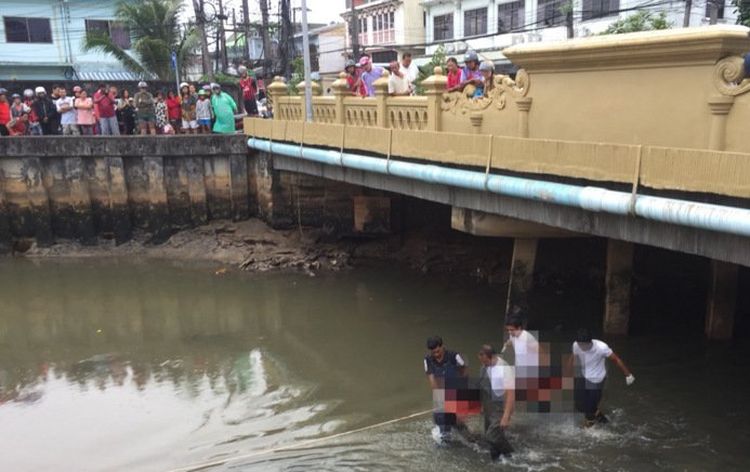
204 122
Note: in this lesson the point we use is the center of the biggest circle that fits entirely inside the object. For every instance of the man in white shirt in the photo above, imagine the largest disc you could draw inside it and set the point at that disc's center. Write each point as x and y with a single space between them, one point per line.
591 355
68 114
525 348
410 69
497 392
398 83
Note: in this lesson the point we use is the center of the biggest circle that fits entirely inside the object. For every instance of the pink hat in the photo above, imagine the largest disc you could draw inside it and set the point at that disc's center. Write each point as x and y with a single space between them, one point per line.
364 60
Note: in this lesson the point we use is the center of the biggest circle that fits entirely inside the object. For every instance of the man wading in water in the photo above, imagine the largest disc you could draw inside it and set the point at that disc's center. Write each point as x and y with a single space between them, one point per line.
446 372
496 384
591 355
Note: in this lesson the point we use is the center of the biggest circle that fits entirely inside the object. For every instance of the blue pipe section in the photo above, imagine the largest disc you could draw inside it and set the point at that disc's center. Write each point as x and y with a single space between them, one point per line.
705 216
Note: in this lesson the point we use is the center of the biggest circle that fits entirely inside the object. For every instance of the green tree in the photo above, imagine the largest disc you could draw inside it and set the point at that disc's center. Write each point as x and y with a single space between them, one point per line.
639 21
742 9
439 59
154 31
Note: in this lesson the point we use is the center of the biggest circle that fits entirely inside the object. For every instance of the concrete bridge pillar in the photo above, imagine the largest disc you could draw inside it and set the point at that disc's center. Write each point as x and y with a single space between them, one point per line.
618 287
721 303
521 273
523 105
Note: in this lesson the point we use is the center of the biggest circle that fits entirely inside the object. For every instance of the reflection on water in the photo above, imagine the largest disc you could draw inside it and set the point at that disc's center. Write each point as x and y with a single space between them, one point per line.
127 365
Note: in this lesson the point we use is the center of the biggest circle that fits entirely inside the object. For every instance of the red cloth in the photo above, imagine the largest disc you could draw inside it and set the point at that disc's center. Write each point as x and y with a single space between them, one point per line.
4 113
18 129
32 114
454 78
248 88
361 90
105 103
174 110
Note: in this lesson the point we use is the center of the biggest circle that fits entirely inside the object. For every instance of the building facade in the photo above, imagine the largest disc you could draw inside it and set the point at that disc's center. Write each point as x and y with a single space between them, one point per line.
43 40
387 28
488 26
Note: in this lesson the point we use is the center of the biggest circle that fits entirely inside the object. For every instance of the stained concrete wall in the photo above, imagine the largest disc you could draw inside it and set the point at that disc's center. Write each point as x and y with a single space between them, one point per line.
86 188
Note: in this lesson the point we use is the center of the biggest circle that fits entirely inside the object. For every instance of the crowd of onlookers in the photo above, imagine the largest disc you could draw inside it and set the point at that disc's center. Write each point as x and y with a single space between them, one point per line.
475 78
109 111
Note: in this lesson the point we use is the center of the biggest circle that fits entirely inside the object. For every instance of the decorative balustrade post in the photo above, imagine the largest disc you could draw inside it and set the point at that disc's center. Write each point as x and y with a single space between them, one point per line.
317 90
381 95
524 105
277 89
434 86
340 92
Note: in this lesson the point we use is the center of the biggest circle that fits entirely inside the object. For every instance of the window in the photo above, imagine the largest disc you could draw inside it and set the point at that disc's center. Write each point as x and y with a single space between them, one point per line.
719 8
475 22
117 31
550 12
384 57
443 27
510 17
599 8
27 30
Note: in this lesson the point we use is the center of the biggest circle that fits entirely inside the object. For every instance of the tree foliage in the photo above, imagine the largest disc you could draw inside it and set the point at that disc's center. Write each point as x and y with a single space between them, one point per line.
742 9
639 21
154 32
439 59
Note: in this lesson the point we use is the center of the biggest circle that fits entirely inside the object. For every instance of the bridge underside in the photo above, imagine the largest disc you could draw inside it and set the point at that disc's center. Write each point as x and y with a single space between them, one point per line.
714 245
724 250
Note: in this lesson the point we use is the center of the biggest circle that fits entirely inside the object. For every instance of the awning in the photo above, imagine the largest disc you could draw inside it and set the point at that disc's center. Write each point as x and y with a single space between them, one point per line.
104 76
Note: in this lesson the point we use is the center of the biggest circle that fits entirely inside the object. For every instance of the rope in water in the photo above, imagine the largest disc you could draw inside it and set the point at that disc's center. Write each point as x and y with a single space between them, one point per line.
205 465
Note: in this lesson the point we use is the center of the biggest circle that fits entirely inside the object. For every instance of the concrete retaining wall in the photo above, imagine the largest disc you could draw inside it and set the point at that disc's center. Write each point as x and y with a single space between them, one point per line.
86 188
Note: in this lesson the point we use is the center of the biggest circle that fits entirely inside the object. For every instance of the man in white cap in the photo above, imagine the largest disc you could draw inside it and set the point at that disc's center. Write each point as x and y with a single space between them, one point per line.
145 109
68 116
46 111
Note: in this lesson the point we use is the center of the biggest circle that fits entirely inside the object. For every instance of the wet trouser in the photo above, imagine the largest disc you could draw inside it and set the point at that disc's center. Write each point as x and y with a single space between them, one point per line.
251 106
493 432
588 397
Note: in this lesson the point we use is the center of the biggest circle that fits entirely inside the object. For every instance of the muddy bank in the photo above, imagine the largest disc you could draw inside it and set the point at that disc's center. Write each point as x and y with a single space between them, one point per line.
253 246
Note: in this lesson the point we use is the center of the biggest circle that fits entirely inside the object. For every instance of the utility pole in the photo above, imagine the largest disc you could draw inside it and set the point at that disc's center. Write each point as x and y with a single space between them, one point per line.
286 39
221 47
688 7
267 62
246 28
200 21
354 31
306 59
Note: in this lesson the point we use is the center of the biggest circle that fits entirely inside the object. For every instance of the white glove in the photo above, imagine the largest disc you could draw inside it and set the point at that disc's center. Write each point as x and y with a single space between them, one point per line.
629 380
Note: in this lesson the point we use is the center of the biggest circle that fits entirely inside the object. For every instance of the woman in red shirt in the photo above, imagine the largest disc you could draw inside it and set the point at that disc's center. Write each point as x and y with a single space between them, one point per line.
174 110
4 112
454 75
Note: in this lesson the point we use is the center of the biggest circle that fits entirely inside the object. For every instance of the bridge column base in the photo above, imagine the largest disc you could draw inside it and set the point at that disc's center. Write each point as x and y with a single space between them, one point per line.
618 287
521 274
722 300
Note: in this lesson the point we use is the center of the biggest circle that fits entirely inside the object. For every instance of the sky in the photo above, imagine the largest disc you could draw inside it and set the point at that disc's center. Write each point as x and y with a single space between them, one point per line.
321 11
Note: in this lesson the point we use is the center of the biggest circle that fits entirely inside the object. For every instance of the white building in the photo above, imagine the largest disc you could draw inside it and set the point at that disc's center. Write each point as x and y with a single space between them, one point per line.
488 26
387 28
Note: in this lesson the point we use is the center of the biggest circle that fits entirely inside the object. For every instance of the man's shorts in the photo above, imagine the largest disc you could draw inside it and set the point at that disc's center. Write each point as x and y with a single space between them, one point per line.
144 118
192 124
204 122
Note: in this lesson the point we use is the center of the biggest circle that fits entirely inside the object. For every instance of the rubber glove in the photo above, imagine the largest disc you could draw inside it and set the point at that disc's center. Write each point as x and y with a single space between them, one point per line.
629 380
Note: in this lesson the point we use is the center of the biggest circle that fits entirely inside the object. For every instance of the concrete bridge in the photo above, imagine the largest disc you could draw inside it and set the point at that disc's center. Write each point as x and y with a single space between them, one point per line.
638 138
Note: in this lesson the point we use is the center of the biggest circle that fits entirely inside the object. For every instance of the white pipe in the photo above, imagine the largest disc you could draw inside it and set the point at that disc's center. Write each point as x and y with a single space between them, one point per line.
720 218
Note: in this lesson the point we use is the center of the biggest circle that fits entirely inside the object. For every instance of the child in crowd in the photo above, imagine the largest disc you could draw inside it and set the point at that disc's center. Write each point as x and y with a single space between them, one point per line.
160 110
85 113
189 99
203 110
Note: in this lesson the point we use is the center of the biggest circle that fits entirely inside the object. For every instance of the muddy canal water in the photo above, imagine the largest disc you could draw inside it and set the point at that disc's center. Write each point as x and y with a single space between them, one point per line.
114 365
